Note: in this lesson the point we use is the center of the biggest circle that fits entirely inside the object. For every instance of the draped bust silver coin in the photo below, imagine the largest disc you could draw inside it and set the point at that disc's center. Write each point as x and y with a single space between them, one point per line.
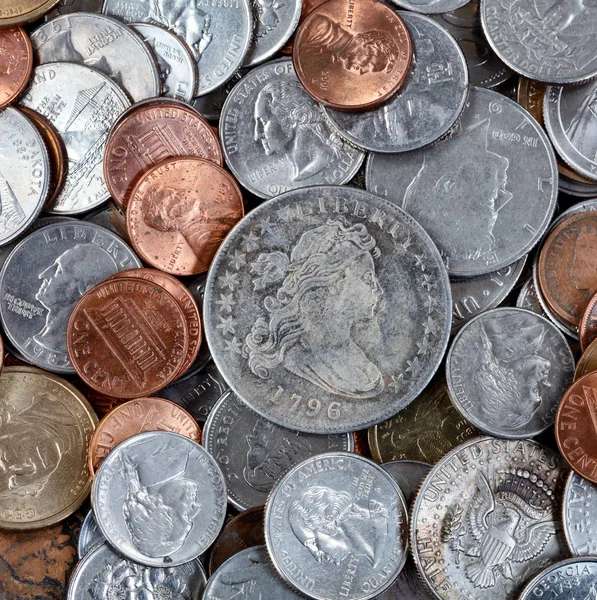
159 498
82 104
428 104
487 517
254 453
579 506
45 276
24 174
485 194
507 371
327 309
335 527
90 536
430 6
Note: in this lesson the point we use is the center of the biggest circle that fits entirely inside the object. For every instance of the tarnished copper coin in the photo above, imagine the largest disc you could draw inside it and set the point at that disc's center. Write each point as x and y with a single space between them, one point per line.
138 416
180 212
587 329
352 55
16 62
149 133
127 338
587 363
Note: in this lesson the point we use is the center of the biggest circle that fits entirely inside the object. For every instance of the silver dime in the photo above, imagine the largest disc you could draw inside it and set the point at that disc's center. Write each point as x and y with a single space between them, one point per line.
507 371
45 276
485 194
159 498
430 6
408 475
254 453
487 518
24 174
104 575
552 42
218 34
579 506
327 309
177 67
335 527
428 103
90 536
82 104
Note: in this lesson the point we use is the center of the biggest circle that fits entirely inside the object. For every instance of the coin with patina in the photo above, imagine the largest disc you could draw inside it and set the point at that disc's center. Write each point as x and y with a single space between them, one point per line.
587 329
16 64
160 499
409 475
90 536
587 362
327 309
527 299
23 11
579 504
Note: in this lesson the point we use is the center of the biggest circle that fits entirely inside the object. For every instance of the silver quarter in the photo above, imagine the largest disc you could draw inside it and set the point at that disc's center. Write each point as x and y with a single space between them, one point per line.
327 309
159 498
430 6
485 194
507 371
428 103
65 7
254 453
90 536
409 475
335 527
527 299
82 104
487 518
275 136
579 506
45 276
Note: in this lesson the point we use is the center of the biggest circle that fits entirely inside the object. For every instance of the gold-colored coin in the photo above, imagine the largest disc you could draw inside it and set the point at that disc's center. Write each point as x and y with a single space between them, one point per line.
425 430
587 362
45 428
17 12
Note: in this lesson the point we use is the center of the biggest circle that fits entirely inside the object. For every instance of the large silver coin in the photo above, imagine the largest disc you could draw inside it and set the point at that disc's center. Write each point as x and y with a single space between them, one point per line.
327 309
485 194
430 6
104 575
487 518
579 507
218 34
276 138
552 42
82 104
104 44
24 174
408 475
254 453
507 371
428 103
45 276
159 498
335 527
90 536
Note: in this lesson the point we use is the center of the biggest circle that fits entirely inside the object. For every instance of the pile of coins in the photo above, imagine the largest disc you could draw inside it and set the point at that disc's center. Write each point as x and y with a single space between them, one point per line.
298 298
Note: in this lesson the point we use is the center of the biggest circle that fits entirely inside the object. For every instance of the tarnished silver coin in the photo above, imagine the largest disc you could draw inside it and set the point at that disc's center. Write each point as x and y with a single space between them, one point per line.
24 174
552 42
327 309
507 371
487 518
104 575
335 527
90 536
409 475
275 136
485 194
65 7
104 44
427 105
177 67
218 34
45 276
159 498
430 6
579 506
527 299
254 453
82 104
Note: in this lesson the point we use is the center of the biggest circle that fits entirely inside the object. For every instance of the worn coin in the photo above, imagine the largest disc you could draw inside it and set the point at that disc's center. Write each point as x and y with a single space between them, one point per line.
23 11
90 536
152 501
587 363
527 299
409 475
588 324
16 63
579 504
485 194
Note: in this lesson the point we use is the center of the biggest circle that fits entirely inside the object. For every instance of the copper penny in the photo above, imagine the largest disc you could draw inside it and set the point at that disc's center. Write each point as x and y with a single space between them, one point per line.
16 63
308 7
150 133
127 338
587 363
352 54
180 212
587 329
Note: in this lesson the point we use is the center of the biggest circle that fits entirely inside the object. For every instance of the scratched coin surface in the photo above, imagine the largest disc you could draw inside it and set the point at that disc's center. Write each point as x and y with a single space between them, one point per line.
16 63
327 309
579 504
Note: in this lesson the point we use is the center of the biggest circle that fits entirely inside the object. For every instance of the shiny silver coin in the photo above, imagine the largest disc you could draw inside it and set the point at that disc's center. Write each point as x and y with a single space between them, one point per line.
487 518
210 105
335 527
65 7
159 498
507 371
485 194
427 105
24 174
527 299
254 453
276 138
327 309
430 6
82 104
104 575
177 68
579 506
90 536
409 475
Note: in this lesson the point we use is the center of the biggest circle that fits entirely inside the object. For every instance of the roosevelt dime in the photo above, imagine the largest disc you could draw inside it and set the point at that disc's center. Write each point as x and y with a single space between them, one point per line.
578 509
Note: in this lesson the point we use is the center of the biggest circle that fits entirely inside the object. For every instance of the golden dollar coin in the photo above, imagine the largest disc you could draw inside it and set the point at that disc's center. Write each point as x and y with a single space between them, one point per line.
17 12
